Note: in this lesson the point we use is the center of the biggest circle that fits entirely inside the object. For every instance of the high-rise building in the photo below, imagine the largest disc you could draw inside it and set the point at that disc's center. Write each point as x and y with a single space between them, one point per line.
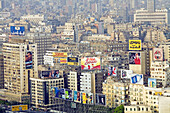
1 4
133 4
151 5
20 63
41 91
43 41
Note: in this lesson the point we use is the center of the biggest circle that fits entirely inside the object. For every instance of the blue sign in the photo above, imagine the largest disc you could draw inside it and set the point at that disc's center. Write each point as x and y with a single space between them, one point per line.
17 30
137 79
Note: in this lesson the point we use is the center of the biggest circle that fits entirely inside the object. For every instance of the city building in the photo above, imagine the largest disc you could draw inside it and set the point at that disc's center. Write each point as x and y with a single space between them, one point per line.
20 63
97 81
33 18
151 5
116 92
41 91
86 82
43 41
164 101
73 80
160 71
157 17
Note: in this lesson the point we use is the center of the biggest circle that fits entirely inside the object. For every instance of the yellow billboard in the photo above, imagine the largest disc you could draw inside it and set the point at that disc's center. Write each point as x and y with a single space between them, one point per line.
84 98
135 45
20 108
59 54
63 60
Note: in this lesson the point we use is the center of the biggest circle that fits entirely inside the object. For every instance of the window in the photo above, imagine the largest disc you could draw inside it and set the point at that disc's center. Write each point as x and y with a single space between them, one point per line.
146 109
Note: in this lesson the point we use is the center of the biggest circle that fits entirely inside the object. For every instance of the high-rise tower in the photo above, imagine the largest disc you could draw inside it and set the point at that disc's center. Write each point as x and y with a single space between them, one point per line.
151 5
20 63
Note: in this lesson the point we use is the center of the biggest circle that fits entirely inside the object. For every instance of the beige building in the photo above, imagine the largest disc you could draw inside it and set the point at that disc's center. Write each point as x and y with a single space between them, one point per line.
160 71
116 92
72 81
144 96
17 70
155 35
97 37
41 91
136 94
137 109
151 97
164 101
166 50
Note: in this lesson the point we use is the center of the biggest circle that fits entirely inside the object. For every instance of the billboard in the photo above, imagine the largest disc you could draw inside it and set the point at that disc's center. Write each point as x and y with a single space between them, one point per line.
55 91
59 54
28 60
89 98
78 99
68 94
137 79
90 63
126 73
112 71
17 30
72 61
157 54
135 45
63 60
135 58
50 74
83 97
20 108
101 99
62 93
152 82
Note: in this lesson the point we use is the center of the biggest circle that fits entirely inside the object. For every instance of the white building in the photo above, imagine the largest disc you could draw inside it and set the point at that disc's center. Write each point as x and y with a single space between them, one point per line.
157 17
72 81
85 82
33 18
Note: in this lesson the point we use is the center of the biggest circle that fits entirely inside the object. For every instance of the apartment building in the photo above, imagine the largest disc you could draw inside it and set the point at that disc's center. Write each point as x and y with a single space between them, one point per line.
41 91
116 92
136 94
20 63
160 71
72 81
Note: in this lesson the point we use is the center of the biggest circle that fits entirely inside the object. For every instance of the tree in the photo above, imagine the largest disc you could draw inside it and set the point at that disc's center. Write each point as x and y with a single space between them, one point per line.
119 109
